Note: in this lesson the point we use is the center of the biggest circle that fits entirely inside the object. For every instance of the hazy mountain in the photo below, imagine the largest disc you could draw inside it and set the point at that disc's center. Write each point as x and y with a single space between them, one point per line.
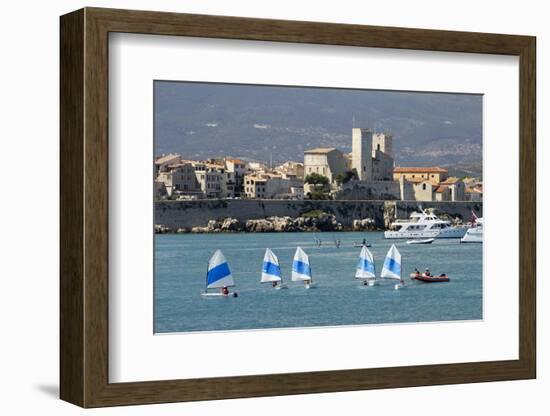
202 120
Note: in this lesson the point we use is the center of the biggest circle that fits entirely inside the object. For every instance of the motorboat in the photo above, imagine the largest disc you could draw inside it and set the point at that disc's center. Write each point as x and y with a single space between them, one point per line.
423 225
430 278
423 241
474 234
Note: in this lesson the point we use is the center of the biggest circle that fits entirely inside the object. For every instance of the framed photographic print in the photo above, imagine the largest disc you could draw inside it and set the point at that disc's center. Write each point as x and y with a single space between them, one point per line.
255 207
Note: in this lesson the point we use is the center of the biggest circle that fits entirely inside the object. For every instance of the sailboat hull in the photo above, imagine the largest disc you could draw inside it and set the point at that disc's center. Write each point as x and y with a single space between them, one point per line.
369 282
219 295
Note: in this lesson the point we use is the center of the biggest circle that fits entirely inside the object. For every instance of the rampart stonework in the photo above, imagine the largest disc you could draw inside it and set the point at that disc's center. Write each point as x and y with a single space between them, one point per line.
188 214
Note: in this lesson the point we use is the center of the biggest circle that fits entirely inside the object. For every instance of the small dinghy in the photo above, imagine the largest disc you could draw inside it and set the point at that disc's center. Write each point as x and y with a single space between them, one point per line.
271 270
365 270
430 278
357 245
301 270
218 276
392 267
423 241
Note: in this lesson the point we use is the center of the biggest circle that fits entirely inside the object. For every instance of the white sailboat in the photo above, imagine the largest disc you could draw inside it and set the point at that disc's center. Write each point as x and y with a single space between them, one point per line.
301 270
392 267
271 270
218 276
365 267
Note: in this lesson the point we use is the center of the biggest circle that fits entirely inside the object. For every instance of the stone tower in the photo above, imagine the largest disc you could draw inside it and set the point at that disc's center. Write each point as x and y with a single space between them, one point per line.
361 153
383 142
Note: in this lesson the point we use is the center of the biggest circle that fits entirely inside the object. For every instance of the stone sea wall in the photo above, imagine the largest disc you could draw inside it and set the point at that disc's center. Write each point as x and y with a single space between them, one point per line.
173 215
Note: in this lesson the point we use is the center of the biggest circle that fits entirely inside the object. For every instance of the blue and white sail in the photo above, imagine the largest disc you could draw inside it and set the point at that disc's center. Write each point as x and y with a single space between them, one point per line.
218 275
365 266
392 264
271 270
301 269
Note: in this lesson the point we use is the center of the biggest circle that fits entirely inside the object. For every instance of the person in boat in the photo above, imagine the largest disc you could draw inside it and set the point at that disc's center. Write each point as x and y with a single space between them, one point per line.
274 284
427 273
416 272
225 291
307 282
364 243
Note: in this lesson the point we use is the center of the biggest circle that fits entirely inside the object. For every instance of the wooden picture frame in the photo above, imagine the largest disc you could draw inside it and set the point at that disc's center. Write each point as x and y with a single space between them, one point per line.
84 207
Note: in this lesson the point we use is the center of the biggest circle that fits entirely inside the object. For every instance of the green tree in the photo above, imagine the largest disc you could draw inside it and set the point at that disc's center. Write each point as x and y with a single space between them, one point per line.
319 195
316 179
346 176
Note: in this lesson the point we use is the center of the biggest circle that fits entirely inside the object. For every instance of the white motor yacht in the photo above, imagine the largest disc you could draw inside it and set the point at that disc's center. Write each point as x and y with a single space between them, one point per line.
474 234
424 225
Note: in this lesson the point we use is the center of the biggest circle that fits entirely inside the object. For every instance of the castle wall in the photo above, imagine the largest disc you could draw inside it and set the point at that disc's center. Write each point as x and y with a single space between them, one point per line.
187 214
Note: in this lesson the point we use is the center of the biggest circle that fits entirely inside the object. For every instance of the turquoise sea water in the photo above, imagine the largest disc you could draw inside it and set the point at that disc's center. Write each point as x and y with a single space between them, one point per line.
180 267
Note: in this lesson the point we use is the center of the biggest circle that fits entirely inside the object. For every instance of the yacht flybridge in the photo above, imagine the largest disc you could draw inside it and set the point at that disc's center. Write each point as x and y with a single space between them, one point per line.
424 225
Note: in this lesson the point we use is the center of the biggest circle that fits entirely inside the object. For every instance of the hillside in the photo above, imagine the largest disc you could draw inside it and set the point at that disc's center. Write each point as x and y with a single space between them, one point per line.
259 122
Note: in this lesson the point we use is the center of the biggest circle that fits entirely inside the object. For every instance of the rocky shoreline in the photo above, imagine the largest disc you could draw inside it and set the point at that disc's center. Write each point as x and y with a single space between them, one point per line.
321 223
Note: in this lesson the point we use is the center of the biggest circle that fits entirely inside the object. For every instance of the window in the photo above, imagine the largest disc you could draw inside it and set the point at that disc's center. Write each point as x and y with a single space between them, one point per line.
423 186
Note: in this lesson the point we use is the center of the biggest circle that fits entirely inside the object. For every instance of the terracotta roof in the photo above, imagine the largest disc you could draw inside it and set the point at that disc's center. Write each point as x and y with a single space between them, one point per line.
235 161
432 169
321 150
165 158
440 189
